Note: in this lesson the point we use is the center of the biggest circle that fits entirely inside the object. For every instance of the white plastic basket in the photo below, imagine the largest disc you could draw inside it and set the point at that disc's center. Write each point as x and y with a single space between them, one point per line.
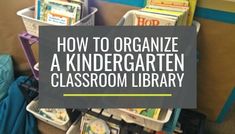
131 117
127 20
74 128
32 107
32 24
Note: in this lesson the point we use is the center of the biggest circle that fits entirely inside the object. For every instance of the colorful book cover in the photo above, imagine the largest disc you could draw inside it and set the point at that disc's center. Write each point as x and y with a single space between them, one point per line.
38 8
90 123
58 12
153 19
148 112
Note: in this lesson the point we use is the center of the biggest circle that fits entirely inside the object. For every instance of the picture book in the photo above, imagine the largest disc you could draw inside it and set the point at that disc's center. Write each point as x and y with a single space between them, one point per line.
180 14
58 12
148 112
93 125
188 6
152 19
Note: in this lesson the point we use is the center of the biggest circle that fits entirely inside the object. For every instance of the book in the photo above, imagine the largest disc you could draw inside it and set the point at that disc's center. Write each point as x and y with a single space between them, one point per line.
148 112
36 9
39 8
169 3
192 5
152 19
84 5
91 124
58 12
180 14
84 8
188 6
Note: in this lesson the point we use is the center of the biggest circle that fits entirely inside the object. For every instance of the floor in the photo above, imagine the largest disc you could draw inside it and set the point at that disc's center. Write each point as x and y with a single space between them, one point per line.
226 127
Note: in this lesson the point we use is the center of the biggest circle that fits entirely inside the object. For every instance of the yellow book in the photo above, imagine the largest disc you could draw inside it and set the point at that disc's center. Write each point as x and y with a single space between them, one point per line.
192 4
176 13
156 113
142 18
170 3
181 15
187 5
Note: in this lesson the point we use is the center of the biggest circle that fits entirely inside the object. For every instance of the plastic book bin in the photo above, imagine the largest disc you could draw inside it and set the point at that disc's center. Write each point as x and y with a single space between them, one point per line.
127 20
32 24
31 37
32 107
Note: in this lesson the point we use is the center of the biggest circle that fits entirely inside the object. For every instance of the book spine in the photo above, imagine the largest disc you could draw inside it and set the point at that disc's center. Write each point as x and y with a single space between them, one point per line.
38 9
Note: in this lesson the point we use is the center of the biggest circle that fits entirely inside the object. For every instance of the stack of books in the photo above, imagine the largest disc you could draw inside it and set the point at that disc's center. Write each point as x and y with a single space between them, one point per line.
60 12
165 13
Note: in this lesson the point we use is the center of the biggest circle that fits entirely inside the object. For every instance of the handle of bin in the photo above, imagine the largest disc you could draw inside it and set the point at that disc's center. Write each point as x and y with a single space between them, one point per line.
121 22
197 25
94 10
123 19
126 119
